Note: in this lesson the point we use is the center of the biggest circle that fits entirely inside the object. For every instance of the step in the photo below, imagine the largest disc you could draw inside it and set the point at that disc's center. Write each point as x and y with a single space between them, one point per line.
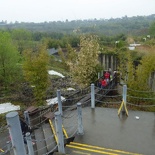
32 110
40 141
49 115
50 141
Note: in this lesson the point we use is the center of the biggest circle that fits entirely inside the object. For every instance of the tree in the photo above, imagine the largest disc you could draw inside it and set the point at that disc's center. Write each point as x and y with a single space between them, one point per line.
144 71
130 70
9 61
122 62
84 67
71 55
141 81
68 58
152 29
22 38
35 72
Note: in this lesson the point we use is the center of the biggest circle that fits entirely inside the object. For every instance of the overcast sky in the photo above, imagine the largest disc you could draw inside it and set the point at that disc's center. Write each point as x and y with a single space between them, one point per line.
54 10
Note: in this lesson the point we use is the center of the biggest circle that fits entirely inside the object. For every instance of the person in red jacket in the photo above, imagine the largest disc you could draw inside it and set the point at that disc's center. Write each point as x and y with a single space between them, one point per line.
107 76
103 83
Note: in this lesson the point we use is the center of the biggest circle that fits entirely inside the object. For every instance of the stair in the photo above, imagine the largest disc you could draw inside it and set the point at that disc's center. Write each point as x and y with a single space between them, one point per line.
40 141
45 135
50 141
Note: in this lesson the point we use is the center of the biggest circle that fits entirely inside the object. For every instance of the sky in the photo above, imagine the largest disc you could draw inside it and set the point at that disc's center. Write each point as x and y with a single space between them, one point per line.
60 10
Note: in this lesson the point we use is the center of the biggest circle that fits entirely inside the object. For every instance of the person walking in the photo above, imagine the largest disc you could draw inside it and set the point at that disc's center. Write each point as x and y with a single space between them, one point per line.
103 83
107 76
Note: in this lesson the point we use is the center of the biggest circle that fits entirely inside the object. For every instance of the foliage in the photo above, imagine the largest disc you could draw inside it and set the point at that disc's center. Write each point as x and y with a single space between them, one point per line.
120 44
53 43
130 40
84 67
2 121
63 59
57 65
144 70
130 70
9 61
22 39
122 62
138 78
127 62
137 75
73 40
69 57
35 71
150 42
137 25
152 29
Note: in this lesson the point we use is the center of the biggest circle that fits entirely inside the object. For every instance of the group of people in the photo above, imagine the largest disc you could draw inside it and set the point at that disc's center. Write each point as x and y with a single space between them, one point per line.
107 76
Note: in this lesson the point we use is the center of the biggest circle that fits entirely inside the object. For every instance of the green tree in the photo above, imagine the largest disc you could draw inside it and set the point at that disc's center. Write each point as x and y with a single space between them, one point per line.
122 62
130 70
152 29
63 59
140 82
144 70
9 61
35 72
22 39
69 57
84 67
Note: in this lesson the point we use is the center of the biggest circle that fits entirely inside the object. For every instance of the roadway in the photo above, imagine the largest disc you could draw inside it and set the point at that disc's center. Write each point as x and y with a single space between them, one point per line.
106 133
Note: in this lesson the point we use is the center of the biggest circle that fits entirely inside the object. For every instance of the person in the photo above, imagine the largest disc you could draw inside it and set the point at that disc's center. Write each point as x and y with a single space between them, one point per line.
103 83
100 83
114 74
24 128
107 76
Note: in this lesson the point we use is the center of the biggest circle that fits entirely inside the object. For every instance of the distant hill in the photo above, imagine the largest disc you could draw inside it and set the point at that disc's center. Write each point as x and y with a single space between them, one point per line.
137 25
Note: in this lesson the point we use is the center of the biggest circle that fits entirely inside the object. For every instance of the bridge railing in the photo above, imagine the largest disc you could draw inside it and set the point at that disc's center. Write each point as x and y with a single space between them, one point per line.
75 98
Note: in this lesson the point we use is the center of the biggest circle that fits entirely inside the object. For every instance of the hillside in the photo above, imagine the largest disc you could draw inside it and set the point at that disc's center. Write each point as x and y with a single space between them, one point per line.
137 25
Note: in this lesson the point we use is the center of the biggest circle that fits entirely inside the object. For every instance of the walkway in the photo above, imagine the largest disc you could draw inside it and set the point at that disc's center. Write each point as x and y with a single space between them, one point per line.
103 128
105 133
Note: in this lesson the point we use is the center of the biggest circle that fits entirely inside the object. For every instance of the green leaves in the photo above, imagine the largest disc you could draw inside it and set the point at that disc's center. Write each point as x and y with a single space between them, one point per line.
84 66
152 29
144 71
9 60
35 72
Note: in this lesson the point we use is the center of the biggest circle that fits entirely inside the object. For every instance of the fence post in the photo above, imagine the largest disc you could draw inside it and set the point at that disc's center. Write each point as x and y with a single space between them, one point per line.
124 96
29 144
58 124
80 125
27 118
92 96
15 133
59 101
